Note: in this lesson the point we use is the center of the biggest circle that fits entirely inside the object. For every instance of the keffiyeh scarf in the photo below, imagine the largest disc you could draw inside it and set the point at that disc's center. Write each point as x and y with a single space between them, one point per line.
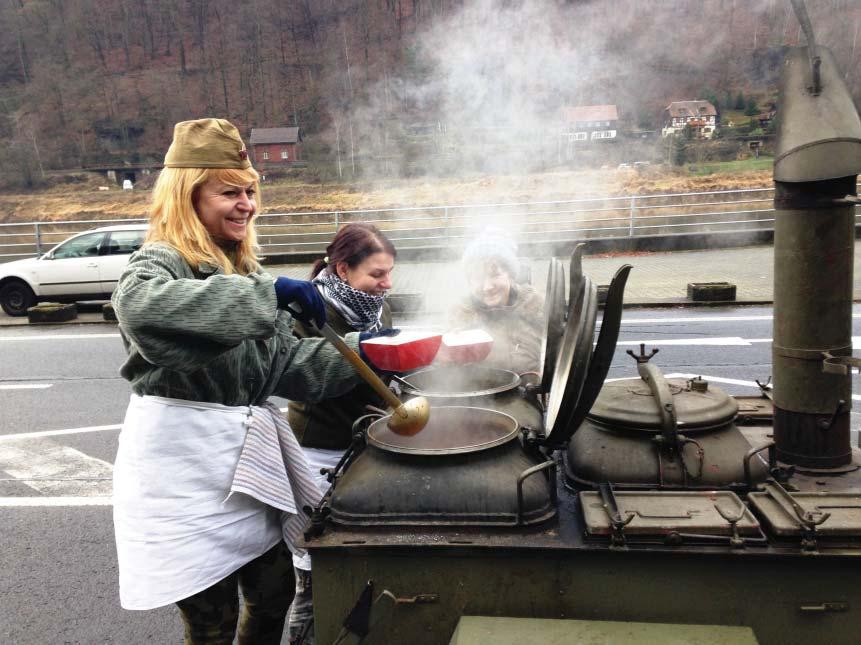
361 310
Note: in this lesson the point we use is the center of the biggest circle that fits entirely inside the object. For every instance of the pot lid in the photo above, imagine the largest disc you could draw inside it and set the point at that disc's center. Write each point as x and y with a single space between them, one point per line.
450 430
605 349
630 404
554 321
460 381
575 350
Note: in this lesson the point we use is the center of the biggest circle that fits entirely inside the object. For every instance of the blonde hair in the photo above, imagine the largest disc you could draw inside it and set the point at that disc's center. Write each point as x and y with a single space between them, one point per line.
173 219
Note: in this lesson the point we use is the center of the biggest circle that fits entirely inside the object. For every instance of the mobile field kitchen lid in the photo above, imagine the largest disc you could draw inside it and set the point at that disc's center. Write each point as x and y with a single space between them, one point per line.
575 350
554 321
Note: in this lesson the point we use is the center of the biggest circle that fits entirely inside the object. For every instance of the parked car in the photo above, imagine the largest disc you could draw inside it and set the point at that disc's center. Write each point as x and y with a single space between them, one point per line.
86 266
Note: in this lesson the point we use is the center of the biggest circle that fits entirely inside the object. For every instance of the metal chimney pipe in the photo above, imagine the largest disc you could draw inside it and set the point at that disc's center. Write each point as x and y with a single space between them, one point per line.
816 165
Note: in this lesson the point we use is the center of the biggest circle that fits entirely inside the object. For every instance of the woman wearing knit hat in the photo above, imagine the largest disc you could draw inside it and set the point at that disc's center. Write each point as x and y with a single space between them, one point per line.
510 312
209 339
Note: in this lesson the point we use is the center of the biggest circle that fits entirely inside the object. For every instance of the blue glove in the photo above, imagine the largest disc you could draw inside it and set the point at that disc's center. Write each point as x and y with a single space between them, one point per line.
301 299
367 335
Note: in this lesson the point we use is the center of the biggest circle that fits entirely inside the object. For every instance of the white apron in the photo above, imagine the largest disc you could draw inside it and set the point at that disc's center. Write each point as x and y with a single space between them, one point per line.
177 531
318 458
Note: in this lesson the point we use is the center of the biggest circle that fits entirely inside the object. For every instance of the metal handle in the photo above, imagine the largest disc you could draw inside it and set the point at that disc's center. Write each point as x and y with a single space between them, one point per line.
824 607
660 389
748 477
527 473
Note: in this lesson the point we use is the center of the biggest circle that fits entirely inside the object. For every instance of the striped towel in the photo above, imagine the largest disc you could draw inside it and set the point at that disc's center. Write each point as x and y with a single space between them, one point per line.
273 469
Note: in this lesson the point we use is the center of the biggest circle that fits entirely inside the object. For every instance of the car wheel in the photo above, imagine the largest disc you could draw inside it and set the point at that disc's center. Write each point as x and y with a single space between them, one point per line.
16 298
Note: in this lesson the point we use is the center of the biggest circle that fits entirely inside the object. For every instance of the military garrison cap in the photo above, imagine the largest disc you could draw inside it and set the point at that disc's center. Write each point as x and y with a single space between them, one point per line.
206 143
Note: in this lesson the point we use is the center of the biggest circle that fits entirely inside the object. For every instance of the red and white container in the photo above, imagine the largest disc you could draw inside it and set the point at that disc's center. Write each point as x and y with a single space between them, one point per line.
407 351
468 346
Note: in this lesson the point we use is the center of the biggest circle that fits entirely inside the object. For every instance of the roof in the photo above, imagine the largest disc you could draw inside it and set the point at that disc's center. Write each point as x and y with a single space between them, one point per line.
691 108
121 227
275 135
590 113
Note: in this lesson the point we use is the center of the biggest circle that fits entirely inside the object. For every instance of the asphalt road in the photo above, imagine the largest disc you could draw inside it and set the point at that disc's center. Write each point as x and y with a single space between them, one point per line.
61 403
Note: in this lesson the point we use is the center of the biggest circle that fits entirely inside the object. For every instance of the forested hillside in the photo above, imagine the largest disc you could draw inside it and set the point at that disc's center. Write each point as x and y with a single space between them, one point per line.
375 83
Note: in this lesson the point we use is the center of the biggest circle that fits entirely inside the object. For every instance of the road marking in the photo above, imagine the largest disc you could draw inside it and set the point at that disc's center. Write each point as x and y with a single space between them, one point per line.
24 502
59 337
56 470
728 341
725 341
56 433
716 379
26 386
692 319
732 381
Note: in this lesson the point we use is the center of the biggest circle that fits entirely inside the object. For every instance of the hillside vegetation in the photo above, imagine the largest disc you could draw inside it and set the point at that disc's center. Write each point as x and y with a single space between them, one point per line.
382 88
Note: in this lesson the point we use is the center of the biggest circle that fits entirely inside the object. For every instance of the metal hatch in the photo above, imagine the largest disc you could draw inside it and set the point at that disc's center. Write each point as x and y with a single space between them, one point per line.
661 513
833 514
572 364
630 404
554 321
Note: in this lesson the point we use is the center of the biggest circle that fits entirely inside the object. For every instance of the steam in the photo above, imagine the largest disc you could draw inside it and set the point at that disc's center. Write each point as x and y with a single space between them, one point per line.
485 85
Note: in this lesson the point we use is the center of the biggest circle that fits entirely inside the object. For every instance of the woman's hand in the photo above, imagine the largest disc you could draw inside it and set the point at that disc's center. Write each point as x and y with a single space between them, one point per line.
301 299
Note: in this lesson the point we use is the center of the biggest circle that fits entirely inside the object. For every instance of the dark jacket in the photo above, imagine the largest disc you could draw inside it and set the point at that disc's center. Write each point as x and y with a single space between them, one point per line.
329 424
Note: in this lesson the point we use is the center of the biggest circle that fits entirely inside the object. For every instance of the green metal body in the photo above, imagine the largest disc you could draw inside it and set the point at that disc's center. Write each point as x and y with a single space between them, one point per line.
817 160
783 599
480 630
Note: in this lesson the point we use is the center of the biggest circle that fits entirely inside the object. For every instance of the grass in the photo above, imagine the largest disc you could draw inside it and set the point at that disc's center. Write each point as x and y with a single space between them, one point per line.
295 194
737 117
725 167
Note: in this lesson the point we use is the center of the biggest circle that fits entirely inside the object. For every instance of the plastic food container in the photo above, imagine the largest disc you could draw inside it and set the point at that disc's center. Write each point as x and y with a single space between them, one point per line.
469 346
407 351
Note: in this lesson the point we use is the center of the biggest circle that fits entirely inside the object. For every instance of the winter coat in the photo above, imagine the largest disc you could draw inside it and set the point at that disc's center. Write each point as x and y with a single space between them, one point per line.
516 328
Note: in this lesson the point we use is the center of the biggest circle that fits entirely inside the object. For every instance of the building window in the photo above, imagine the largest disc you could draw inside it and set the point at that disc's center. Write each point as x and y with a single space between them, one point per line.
283 154
265 155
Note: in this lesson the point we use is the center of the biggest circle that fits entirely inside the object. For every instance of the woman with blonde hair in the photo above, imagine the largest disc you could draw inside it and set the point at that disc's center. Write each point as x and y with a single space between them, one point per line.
209 481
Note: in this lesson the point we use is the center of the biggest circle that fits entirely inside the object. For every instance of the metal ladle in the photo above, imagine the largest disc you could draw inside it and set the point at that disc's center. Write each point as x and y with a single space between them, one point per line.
408 418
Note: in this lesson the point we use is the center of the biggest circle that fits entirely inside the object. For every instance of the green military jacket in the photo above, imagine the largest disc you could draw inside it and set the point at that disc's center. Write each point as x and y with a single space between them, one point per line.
200 335
329 424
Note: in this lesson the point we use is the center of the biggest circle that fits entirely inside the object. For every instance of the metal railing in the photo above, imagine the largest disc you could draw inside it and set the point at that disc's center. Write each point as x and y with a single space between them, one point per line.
440 227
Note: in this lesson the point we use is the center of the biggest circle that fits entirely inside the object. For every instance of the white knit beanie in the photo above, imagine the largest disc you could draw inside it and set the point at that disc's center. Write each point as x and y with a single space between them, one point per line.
493 243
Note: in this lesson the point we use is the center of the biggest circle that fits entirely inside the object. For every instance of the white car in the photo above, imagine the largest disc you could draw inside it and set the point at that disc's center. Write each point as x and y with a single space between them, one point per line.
86 266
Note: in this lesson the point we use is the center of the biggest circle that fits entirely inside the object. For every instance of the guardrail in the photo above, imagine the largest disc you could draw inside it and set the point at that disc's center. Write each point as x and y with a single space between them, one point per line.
441 227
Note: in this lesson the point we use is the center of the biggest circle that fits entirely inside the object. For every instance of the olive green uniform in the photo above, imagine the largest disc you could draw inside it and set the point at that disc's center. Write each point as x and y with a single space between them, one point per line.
516 328
201 335
329 424
196 334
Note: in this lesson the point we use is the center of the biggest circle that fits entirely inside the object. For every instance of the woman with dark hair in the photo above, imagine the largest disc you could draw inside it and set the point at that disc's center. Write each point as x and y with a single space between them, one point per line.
353 280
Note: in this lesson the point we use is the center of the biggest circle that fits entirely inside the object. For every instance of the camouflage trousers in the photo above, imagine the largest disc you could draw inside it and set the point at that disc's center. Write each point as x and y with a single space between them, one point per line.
267 586
301 623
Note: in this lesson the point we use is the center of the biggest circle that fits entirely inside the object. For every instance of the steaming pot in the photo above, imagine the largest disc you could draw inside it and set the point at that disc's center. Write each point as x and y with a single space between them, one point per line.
475 386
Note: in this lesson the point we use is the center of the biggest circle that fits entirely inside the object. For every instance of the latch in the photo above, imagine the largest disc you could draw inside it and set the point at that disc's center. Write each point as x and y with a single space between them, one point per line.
418 599
807 520
617 524
824 608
